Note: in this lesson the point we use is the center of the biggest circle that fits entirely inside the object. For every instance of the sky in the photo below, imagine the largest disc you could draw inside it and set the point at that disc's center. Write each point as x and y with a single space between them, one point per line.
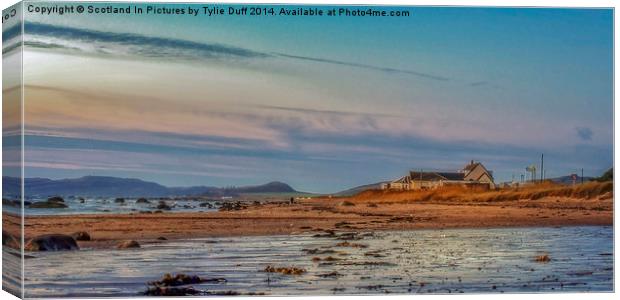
321 103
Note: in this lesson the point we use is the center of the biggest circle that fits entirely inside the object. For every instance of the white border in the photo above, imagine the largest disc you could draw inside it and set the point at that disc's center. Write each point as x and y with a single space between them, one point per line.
495 3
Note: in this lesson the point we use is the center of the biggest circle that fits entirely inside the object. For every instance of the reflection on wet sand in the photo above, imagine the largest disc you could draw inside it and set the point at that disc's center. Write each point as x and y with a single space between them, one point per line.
421 261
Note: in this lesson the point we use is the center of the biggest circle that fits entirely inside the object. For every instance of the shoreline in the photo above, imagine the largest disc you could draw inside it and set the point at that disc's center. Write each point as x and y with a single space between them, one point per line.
318 216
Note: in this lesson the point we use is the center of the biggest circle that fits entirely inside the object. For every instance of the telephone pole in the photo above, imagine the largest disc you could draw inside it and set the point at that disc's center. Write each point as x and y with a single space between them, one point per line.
542 167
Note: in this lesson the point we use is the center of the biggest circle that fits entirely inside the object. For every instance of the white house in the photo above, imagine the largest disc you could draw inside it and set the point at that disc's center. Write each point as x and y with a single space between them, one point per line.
473 174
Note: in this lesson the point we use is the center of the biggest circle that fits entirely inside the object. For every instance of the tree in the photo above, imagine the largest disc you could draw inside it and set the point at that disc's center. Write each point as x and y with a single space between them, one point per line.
607 176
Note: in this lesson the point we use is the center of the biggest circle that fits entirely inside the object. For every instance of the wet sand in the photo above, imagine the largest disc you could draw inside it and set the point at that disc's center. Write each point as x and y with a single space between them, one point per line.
319 215
493 260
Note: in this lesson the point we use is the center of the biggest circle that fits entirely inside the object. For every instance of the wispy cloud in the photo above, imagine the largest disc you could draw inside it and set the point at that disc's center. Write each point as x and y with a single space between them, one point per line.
325 111
364 66
479 83
46 36
155 163
139 44
64 112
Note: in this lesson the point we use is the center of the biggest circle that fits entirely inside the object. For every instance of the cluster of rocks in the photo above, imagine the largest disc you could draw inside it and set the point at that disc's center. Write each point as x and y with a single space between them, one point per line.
163 203
59 242
206 204
228 206
163 206
143 200
14 203
53 202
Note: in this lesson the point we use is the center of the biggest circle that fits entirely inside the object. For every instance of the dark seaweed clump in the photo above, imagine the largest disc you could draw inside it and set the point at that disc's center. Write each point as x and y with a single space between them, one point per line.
176 285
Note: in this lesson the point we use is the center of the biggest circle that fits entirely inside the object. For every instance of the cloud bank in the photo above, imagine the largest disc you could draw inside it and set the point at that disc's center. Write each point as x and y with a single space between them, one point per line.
46 36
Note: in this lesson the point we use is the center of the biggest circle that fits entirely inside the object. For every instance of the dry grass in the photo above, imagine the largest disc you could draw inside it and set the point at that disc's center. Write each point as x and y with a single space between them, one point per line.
588 190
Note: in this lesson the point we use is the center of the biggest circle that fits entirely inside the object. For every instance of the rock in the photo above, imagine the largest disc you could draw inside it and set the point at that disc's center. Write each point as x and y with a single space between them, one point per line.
8 202
161 238
52 242
163 205
142 200
46 204
346 203
82 200
119 200
182 279
227 206
206 204
56 199
16 203
81 236
128 244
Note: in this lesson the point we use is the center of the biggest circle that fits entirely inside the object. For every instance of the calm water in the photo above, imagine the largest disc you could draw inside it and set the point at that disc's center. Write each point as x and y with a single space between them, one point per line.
424 261
108 205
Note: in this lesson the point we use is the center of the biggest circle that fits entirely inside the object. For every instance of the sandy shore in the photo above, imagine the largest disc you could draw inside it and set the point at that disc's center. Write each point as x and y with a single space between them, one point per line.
318 215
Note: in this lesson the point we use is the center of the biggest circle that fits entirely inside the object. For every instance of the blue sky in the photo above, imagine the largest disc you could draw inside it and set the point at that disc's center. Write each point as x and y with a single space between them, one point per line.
321 103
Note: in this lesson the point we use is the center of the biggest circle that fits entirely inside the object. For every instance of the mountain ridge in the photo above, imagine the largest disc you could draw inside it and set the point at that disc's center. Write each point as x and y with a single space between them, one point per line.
358 189
109 186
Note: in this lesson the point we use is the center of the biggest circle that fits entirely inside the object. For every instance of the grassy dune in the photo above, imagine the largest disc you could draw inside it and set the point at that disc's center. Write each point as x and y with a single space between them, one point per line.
588 190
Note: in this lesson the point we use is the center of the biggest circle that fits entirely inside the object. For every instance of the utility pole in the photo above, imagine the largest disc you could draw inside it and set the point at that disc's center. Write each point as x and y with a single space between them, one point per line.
542 167
581 175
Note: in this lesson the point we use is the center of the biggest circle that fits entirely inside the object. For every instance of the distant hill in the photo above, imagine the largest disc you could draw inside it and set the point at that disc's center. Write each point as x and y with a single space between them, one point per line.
271 187
105 186
361 188
569 180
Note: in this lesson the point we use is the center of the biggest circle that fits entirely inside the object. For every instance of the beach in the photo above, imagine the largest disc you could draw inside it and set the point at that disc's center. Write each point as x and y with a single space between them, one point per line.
319 215
539 239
